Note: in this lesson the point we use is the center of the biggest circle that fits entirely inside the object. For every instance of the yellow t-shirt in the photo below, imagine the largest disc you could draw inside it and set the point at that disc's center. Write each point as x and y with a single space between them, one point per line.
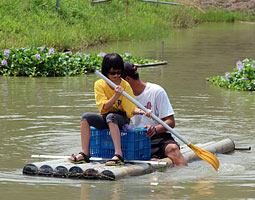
104 92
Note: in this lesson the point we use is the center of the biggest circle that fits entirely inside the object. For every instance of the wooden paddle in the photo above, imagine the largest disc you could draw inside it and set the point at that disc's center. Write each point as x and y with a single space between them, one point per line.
203 154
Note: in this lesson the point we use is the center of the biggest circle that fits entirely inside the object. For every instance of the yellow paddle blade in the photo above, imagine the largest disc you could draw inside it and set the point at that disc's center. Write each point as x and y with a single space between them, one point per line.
206 155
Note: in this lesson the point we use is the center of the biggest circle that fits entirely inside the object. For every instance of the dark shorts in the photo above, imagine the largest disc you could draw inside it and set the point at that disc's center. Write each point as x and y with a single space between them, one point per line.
159 143
100 121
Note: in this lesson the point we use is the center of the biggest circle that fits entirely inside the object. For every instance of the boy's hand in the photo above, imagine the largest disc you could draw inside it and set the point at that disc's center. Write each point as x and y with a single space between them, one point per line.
118 90
151 130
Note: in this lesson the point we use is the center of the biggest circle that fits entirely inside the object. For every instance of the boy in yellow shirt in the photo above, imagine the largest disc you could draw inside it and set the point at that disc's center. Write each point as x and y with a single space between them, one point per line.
115 110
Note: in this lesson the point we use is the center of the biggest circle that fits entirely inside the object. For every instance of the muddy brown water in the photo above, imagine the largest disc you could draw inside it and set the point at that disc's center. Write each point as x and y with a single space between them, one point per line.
42 116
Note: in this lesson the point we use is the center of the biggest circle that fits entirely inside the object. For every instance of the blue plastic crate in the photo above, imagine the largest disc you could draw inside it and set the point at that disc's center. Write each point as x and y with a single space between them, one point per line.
134 144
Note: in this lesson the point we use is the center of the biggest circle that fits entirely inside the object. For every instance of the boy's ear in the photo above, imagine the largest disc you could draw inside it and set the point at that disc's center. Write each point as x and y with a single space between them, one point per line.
127 78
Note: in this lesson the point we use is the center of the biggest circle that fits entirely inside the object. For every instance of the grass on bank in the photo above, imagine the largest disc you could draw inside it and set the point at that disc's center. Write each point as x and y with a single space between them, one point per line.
79 24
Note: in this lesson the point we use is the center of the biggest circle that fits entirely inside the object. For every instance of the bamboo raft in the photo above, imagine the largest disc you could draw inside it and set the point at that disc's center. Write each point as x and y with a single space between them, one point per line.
63 168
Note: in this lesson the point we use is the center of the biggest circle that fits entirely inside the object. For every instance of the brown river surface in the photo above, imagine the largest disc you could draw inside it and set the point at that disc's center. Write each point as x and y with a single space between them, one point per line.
42 116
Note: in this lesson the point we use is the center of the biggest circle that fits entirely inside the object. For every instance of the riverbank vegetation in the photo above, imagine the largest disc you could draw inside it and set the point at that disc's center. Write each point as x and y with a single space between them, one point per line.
79 24
27 25
241 78
44 62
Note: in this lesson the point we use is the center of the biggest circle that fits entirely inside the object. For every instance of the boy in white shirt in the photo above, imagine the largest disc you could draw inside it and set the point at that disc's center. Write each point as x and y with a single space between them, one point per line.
154 97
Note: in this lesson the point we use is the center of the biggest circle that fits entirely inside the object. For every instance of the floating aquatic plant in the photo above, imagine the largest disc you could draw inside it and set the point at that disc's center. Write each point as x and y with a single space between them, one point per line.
43 61
241 78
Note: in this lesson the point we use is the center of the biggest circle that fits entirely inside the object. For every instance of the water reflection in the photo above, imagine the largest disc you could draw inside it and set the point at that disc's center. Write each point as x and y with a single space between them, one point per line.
200 188
203 188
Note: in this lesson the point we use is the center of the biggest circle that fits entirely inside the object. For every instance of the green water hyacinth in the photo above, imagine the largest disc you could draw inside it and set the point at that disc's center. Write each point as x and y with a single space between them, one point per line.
45 62
242 77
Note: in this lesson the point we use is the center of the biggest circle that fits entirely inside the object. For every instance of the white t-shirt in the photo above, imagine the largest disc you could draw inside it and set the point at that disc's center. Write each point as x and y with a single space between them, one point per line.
155 98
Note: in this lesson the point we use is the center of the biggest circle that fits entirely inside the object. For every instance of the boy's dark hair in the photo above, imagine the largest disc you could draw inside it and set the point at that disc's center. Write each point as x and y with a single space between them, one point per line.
130 70
114 61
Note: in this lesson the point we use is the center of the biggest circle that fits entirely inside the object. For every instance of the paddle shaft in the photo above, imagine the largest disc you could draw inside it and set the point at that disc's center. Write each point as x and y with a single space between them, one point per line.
137 103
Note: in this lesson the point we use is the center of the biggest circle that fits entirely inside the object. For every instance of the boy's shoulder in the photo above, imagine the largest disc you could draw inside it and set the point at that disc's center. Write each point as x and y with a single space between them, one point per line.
124 82
100 82
154 87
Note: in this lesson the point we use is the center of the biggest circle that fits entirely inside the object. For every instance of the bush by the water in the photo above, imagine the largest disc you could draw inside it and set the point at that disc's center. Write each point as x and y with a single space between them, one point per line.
43 61
242 77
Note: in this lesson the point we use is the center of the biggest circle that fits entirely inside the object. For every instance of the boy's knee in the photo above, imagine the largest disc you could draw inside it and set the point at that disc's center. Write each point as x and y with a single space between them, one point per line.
84 121
111 118
85 116
173 152
172 149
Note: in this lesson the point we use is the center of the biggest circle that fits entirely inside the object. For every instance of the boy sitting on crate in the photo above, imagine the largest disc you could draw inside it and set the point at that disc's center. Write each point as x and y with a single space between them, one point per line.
115 110
154 98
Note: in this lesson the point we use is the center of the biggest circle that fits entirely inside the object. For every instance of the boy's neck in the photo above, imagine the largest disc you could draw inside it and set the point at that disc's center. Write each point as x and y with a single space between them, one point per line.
139 87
